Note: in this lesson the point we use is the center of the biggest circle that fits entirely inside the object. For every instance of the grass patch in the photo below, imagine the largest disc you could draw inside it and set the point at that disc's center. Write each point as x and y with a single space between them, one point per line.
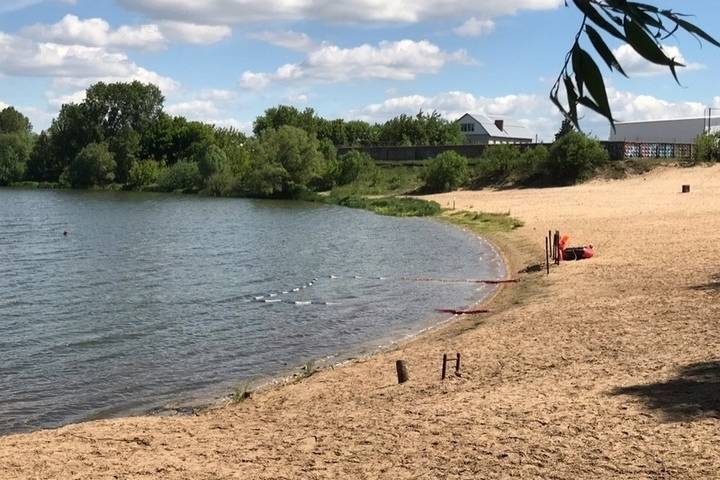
240 393
481 222
390 206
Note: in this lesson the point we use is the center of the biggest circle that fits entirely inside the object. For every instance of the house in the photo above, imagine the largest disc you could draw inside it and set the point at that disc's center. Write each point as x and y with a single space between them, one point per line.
481 130
675 130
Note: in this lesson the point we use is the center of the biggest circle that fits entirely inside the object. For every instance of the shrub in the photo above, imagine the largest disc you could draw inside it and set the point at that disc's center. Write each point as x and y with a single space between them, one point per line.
182 176
94 165
144 173
573 158
497 162
391 206
210 161
707 148
351 165
448 171
221 184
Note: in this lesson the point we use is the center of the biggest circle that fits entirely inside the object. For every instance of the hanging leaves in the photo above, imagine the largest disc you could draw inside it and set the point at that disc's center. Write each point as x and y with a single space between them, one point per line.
640 25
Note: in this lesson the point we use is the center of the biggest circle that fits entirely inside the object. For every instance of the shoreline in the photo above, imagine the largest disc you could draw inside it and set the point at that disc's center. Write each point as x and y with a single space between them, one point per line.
387 343
291 375
606 368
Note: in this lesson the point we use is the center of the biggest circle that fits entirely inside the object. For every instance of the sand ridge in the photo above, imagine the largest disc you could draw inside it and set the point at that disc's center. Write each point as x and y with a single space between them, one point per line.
608 368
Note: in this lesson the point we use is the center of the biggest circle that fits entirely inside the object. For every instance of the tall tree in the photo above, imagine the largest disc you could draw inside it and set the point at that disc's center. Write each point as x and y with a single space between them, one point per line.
12 121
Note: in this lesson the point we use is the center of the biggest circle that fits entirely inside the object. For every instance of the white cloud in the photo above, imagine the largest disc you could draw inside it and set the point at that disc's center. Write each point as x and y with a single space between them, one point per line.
215 94
402 60
72 66
289 39
14 5
223 12
534 111
634 64
194 33
193 108
475 27
58 100
96 32
3 105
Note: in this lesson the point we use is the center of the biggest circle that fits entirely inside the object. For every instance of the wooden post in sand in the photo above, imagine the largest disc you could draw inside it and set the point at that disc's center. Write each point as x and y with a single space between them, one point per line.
444 367
686 189
402 372
457 365
547 254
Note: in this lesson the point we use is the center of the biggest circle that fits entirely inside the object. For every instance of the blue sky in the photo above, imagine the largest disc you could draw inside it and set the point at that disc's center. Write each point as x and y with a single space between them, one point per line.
225 61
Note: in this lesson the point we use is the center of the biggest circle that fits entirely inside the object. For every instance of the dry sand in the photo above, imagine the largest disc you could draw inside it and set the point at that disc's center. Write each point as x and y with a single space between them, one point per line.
608 368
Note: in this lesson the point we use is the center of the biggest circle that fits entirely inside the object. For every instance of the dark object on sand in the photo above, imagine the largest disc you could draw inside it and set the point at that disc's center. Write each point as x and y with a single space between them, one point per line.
577 253
686 189
402 372
535 267
461 312
444 366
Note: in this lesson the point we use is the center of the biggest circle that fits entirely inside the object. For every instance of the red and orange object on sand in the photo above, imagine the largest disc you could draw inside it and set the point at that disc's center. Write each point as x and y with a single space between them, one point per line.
574 253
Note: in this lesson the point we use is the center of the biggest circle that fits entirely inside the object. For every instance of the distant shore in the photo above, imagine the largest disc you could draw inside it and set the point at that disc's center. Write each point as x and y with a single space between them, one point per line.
605 368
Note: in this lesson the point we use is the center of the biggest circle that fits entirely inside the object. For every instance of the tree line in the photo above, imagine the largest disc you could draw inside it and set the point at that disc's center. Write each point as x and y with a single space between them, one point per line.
120 136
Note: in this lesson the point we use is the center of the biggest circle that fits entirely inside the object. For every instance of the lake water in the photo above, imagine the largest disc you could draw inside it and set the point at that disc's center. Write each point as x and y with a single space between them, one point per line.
155 300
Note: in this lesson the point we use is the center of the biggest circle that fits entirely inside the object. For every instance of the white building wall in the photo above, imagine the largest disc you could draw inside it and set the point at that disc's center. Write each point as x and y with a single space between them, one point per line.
682 130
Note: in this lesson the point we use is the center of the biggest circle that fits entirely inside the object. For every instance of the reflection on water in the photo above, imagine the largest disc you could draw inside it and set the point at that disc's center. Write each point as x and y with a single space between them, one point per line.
158 298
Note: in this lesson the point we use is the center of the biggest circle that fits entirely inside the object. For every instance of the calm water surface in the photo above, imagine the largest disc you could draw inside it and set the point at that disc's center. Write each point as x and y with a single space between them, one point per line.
158 299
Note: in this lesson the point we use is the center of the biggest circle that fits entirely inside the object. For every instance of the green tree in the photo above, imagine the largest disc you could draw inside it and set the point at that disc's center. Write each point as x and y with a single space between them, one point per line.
448 171
707 148
211 160
93 166
291 154
182 176
70 132
125 147
143 173
12 121
40 163
11 167
121 106
351 165
573 158
286 115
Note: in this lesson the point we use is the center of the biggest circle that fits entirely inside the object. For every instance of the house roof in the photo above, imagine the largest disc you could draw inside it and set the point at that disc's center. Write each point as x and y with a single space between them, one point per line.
510 130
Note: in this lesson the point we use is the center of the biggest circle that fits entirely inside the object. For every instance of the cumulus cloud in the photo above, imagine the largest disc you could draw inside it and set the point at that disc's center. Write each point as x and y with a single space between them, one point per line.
57 100
634 64
14 5
475 27
3 105
402 60
72 66
289 39
534 111
193 108
194 33
96 32
223 12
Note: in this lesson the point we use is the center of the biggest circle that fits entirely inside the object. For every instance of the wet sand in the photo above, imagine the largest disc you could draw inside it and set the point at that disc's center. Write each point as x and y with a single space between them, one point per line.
608 368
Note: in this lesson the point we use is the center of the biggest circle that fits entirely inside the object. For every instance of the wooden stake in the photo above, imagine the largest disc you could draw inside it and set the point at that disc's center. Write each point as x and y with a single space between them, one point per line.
402 373
686 189
457 365
444 367
547 254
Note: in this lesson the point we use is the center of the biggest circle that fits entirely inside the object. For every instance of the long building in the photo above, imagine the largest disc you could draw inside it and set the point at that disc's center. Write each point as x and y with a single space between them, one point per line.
481 130
676 130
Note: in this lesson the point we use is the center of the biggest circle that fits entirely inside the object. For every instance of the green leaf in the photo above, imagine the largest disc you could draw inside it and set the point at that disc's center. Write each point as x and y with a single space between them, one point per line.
593 81
586 102
591 12
602 48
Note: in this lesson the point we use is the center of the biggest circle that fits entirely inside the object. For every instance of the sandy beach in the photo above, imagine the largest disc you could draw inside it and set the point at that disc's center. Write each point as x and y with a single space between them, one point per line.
606 368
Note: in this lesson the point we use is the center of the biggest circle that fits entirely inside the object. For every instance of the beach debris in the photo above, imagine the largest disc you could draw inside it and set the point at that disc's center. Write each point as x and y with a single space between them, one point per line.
461 312
402 372
532 268
445 362
686 189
